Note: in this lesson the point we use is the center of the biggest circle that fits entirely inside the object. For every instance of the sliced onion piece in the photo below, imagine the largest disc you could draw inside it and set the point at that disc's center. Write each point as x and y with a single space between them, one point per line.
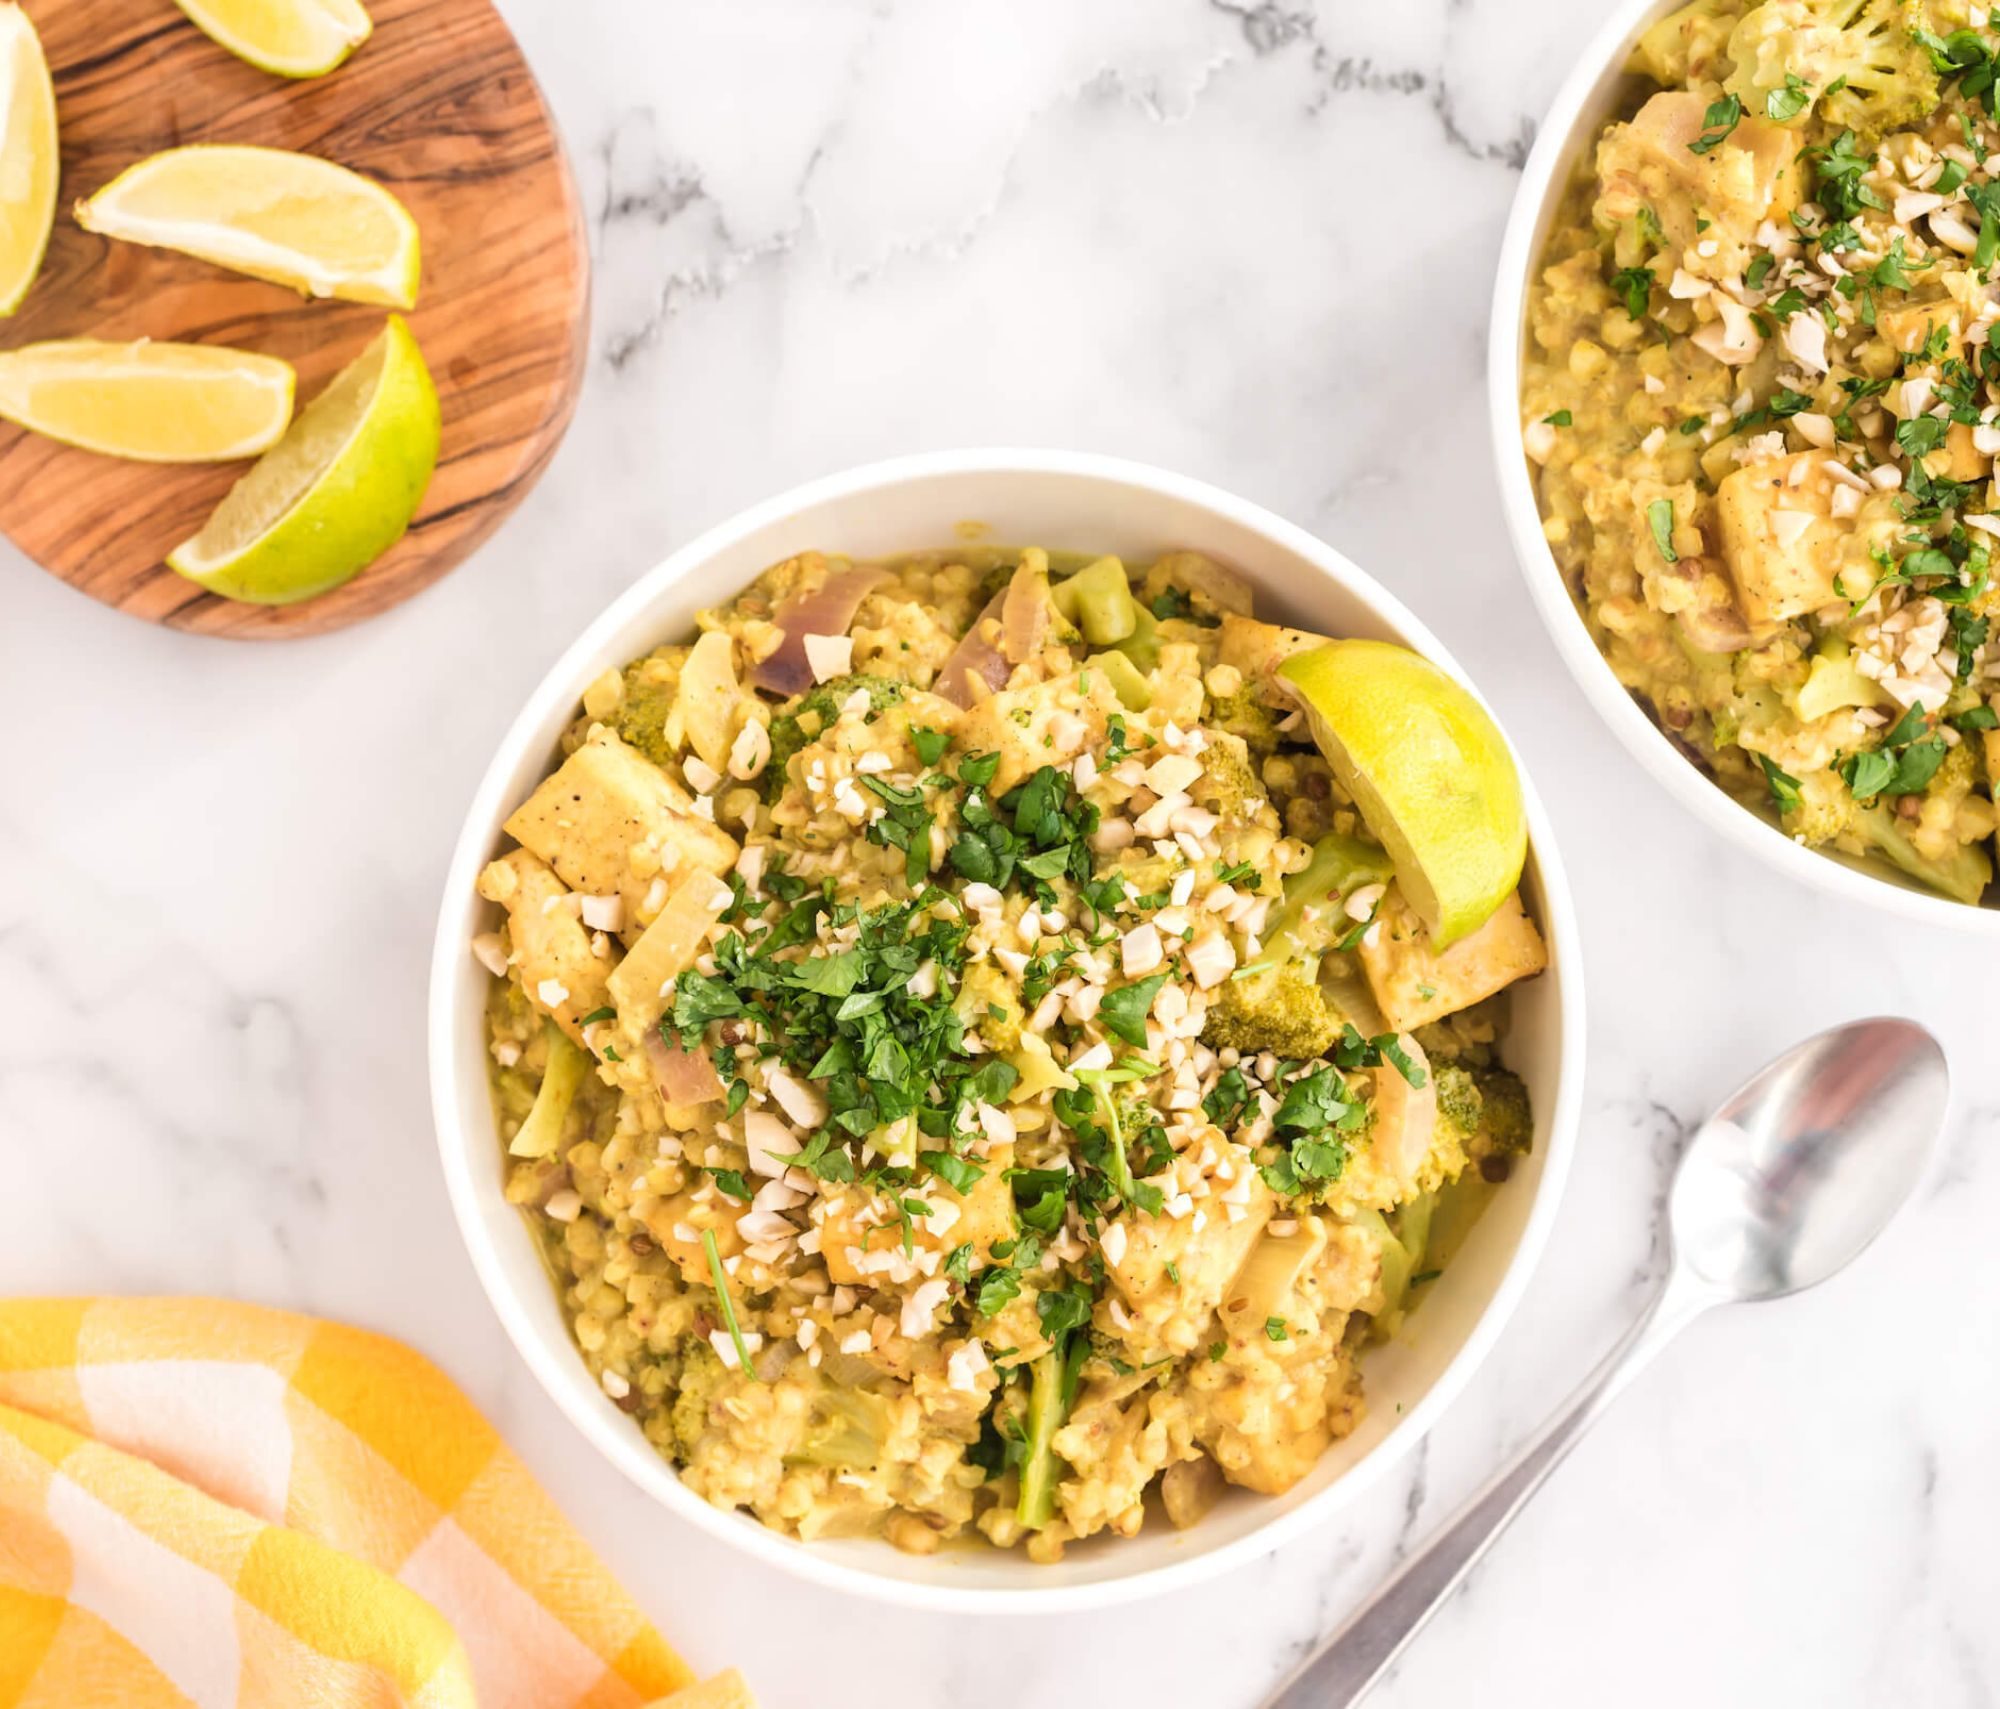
975 656
1025 610
828 610
1225 588
683 1076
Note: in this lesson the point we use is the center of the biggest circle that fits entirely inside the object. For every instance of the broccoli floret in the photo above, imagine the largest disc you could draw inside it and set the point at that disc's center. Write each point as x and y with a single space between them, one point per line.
641 717
1487 1108
1458 1097
1279 1008
1685 46
1789 55
1507 1123
811 713
1963 877
1277 1004
1243 715
847 1428
1828 814
1229 781
702 1377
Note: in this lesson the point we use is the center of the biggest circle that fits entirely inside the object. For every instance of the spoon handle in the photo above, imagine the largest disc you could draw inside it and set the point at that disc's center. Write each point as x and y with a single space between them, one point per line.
1361 1652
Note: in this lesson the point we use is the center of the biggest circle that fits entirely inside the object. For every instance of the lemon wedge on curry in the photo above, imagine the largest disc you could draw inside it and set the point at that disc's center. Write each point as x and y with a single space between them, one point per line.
337 492
293 219
28 159
158 403
288 38
1428 769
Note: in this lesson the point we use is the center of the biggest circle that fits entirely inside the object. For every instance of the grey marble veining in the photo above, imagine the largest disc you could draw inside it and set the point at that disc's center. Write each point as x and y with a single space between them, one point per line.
1253 242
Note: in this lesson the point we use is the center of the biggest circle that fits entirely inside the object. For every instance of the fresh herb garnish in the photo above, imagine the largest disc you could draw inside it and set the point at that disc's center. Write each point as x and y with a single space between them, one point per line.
727 1305
1717 123
1660 518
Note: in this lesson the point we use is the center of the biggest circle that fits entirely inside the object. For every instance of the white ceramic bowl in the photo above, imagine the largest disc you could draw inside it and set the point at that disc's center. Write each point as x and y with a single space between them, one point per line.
1026 498
1591 93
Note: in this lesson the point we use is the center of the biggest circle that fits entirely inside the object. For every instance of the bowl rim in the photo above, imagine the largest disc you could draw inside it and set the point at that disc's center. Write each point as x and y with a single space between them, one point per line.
1707 800
563 682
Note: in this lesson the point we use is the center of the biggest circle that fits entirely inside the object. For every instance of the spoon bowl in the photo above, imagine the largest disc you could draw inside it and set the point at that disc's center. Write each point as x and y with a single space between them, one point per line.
1804 1165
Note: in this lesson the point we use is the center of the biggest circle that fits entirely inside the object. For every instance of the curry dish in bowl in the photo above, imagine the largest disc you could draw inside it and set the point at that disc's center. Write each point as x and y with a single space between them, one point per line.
969 1064
1761 401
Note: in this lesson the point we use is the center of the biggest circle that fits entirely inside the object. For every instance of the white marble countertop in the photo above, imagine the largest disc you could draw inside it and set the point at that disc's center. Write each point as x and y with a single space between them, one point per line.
1253 244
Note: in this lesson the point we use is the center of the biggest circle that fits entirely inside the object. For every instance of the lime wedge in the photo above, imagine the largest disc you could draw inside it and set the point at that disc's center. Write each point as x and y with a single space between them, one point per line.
338 491
156 403
28 157
1429 771
289 38
290 218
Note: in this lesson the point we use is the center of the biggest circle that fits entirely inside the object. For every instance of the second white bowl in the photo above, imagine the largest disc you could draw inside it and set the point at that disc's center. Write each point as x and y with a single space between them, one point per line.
1593 92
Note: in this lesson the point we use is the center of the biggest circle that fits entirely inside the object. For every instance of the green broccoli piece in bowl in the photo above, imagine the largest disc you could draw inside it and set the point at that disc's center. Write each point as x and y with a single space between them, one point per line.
1488 1108
1280 1009
702 1378
641 717
1864 66
1276 1003
1246 717
805 719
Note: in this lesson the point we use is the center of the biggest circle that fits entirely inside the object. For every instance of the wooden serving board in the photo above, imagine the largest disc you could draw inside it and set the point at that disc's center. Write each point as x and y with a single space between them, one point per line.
439 106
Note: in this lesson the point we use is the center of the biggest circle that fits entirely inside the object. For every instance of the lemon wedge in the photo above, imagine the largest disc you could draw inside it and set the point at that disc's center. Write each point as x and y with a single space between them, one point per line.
288 38
156 403
293 219
336 493
1429 771
28 157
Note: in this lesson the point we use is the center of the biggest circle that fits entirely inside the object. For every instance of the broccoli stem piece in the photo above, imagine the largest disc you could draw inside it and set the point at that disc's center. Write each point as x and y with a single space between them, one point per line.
541 1134
1121 1165
1056 1374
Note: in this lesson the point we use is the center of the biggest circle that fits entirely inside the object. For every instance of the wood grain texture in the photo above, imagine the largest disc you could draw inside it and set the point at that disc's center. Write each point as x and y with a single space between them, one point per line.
439 106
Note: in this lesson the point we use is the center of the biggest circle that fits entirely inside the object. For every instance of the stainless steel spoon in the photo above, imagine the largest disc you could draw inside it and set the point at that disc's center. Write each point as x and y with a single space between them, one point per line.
1780 1188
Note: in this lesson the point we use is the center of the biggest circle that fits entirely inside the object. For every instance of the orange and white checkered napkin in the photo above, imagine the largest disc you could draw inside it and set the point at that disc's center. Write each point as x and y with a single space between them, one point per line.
206 1503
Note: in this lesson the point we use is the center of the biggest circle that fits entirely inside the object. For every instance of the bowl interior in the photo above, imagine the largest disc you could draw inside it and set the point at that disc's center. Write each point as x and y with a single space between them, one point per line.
1138 517
1596 90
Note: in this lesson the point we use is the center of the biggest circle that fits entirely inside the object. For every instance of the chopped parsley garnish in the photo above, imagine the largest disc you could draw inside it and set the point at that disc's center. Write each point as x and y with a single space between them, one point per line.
1636 284
1560 418
726 1304
732 1182
956 1172
1717 124
1124 1011
1904 764
1790 101
1783 786
1660 518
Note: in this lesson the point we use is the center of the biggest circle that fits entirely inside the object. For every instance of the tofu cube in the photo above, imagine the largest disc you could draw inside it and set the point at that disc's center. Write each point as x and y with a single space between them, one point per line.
1414 984
609 821
551 948
1048 724
1751 177
1782 543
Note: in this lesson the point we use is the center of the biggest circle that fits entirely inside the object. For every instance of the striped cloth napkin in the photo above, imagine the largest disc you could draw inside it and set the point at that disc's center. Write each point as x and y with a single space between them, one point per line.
205 1503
